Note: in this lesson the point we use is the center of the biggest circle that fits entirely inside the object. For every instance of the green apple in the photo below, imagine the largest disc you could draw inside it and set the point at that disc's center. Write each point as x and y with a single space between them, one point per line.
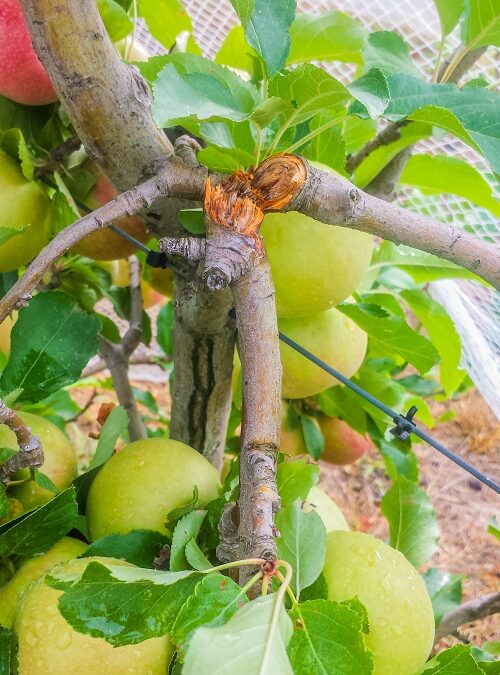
343 444
24 206
31 570
325 507
59 463
399 609
48 644
139 486
332 337
314 266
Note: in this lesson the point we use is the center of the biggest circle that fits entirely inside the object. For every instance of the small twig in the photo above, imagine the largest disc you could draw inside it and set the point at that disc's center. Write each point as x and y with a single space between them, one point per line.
139 360
30 453
388 135
117 356
475 609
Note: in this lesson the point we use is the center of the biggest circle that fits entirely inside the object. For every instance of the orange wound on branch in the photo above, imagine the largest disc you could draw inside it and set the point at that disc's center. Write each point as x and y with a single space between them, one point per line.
239 200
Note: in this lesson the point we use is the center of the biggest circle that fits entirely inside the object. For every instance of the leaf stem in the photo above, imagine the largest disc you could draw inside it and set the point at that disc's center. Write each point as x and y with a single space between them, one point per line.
276 612
291 594
234 563
438 59
305 139
453 64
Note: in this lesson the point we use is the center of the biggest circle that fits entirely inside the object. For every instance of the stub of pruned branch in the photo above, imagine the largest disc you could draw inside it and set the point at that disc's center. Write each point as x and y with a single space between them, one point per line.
30 453
232 254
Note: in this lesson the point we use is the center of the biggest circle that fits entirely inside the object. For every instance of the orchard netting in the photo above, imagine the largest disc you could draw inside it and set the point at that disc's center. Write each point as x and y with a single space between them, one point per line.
474 308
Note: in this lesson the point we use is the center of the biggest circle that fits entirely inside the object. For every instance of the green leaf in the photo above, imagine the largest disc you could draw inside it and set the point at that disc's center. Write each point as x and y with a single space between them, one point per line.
240 645
445 591
225 160
195 556
316 591
357 132
332 36
412 521
449 12
295 478
399 459
215 600
52 341
192 220
14 144
7 233
139 603
328 638
387 51
6 454
139 547
37 531
191 88
457 660
165 20
311 90
302 543
187 528
328 146
115 19
421 266
481 24
443 105
372 90
115 424
392 335
6 641
269 109
313 436
165 327
438 174
443 334
237 53
494 528
266 27
344 403
4 502
44 481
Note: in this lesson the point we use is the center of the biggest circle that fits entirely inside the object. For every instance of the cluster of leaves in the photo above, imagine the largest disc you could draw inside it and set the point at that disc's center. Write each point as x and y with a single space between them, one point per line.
261 95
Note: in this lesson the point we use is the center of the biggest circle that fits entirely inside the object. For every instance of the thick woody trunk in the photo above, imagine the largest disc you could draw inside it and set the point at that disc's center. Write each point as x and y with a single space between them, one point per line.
109 105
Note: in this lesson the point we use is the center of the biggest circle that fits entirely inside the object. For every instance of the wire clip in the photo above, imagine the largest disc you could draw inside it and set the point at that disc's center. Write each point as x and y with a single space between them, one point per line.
404 424
157 259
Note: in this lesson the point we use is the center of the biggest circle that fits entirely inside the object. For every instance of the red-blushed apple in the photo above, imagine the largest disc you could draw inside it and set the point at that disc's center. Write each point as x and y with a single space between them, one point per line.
31 570
332 337
24 206
343 444
105 244
22 77
164 473
59 463
400 615
48 644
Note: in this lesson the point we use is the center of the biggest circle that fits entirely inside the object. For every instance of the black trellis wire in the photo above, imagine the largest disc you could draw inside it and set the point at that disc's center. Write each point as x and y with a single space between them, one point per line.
405 426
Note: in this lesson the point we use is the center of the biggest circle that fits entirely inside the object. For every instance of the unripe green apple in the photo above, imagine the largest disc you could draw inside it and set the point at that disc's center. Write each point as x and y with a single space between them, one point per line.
162 280
15 509
23 204
104 244
314 266
48 644
399 609
332 337
325 507
59 463
139 486
343 444
31 570
22 77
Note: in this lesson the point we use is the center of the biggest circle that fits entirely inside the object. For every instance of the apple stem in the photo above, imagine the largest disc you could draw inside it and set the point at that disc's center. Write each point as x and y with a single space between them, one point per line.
30 453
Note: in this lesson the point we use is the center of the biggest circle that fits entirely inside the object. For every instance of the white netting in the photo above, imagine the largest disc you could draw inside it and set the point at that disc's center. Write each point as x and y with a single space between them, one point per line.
474 308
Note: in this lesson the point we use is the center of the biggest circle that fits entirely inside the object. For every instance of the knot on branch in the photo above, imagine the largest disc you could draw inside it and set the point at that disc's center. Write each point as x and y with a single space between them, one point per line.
276 181
30 453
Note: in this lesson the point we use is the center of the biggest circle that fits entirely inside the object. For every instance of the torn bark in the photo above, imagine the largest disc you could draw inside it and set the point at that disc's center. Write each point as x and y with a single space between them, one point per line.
117 356
475 609
30 453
